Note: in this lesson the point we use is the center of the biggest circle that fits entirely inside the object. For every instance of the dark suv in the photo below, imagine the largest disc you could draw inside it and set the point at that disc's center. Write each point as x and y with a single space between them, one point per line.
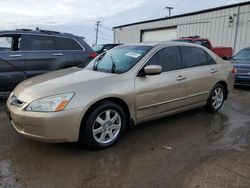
25 53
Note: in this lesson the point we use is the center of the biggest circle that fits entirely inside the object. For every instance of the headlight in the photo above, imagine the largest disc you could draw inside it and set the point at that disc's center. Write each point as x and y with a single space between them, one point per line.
50 104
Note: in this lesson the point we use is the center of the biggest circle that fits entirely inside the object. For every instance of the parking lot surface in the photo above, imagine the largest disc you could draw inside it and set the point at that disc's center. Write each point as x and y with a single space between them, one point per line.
191 149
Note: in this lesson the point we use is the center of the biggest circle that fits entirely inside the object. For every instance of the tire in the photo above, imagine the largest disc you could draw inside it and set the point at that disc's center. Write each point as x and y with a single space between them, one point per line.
216 98
105 121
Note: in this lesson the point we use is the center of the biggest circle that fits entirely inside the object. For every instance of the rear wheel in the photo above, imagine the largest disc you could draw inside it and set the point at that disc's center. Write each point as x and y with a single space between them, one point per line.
216 98
103 126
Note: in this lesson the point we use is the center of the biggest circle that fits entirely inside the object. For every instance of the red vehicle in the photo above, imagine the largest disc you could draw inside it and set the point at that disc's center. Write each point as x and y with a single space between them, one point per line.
224 52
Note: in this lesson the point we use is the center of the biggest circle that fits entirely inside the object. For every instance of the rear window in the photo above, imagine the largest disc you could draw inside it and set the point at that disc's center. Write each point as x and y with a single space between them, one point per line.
40 43
67 44
203 43
193 57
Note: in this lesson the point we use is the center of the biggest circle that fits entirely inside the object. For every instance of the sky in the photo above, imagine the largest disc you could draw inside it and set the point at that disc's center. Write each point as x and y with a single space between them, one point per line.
79 16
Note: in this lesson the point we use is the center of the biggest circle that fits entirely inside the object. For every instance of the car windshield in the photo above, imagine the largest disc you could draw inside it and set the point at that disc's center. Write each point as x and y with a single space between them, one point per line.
98 48
243 55
118 60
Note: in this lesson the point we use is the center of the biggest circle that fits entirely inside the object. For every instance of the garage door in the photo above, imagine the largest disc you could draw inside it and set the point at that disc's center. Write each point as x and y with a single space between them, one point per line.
159 35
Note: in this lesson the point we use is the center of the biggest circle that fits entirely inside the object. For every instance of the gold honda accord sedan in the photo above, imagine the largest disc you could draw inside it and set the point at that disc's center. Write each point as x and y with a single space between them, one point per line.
129 84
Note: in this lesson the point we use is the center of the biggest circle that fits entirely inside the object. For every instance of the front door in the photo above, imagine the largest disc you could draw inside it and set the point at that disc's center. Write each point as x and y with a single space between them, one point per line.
11 62
161 94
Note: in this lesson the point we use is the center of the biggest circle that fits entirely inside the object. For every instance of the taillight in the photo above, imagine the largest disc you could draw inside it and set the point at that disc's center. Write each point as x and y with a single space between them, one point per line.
93 55
234 70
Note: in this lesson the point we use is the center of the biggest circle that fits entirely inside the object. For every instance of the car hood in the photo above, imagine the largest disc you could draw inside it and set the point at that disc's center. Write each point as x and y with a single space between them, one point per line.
61 81
241 63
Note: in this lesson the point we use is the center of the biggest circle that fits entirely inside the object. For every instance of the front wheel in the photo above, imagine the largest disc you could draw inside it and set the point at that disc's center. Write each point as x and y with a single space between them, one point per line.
216 98
103 126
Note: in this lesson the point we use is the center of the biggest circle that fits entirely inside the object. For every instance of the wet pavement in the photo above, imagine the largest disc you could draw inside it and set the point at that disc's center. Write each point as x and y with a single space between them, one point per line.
191 149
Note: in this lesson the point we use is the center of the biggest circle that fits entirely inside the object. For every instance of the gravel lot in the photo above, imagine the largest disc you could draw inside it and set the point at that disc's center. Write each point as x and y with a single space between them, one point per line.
191 149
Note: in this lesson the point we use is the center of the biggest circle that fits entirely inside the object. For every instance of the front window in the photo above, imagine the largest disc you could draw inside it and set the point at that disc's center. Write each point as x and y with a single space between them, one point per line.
242 55
5 43
119 60
10 43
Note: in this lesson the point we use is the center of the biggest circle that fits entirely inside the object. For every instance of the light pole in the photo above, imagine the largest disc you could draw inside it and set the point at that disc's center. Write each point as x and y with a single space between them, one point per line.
169 10
98 24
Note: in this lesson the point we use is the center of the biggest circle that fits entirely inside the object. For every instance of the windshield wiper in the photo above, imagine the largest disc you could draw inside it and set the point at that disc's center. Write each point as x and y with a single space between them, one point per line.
113 65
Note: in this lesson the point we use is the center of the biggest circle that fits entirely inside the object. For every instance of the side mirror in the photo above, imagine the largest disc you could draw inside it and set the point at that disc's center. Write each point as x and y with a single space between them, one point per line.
105 49
152 70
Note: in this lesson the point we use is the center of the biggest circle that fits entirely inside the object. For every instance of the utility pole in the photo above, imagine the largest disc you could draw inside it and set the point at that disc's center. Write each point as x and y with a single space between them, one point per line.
169 10
98 24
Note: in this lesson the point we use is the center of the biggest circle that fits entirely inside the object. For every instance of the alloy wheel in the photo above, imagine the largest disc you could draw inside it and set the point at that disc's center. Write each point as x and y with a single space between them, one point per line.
106 126
217 98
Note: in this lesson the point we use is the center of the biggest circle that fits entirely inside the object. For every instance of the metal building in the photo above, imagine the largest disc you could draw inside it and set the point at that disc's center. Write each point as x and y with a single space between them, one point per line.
224 26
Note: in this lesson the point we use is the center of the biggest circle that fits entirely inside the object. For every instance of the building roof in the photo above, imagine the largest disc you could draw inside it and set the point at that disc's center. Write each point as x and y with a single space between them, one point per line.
186 14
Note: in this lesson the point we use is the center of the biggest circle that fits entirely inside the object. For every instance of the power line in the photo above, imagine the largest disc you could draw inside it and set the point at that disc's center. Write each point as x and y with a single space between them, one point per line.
107 28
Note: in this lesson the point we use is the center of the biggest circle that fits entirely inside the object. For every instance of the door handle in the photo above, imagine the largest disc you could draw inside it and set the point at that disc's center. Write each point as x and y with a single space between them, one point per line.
58 54
213 71
16 55
181 77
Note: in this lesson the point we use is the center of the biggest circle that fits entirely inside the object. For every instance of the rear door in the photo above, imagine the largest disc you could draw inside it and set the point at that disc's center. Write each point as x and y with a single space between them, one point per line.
201 70
12 58
42 54
164 93
73 51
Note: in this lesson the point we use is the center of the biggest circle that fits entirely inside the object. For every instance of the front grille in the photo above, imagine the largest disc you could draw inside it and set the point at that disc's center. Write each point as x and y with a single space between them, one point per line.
243 71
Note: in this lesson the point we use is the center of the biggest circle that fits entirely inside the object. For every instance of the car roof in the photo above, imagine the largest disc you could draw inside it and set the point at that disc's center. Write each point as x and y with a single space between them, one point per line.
164 43
192 38
37 32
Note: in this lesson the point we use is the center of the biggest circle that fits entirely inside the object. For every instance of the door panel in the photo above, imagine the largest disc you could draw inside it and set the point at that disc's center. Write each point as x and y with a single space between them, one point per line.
73 52
201 80
41 62
11 70
201 70
160 94
11 62
41 55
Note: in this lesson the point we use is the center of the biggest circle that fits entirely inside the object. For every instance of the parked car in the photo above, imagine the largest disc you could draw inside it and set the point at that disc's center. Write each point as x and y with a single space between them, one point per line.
25 53
224 52
99 49
127 84
241 62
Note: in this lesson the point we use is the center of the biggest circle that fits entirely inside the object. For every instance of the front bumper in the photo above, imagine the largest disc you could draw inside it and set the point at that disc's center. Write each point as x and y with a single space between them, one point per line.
242 80
52 127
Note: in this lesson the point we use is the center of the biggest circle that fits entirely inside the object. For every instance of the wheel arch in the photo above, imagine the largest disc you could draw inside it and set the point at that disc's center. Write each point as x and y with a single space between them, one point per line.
116 100
224 84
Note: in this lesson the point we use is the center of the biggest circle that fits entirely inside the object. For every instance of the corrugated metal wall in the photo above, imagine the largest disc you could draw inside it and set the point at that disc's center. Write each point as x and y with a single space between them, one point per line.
214 25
